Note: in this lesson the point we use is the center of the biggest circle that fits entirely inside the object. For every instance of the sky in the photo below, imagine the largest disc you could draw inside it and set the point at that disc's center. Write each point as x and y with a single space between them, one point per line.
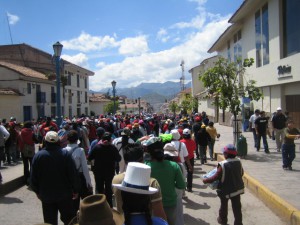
129 41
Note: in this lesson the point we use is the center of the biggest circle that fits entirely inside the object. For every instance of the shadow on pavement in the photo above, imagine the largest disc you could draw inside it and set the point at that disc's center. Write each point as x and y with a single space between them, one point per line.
194 205
9 200
262 158
193 221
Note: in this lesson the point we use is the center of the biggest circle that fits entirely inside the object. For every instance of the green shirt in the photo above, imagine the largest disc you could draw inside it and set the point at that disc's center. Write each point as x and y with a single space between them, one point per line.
169 176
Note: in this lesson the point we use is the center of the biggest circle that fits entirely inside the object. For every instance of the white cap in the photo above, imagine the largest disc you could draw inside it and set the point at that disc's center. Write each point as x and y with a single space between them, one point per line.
186 131
279 109
51 137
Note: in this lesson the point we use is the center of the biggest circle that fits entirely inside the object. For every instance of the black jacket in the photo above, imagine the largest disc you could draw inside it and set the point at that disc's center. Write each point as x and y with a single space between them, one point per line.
53 174
105 156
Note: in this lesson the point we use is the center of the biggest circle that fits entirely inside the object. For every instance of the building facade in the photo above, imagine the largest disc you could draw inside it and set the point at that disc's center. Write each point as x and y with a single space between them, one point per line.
268 32
31 72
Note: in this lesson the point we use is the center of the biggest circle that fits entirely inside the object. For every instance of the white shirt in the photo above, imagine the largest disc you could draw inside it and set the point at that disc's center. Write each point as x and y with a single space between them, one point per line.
183 151
252 120
118 143
80 161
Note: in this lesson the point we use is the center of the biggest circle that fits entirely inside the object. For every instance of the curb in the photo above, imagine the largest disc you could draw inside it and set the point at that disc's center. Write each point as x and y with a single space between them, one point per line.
278 205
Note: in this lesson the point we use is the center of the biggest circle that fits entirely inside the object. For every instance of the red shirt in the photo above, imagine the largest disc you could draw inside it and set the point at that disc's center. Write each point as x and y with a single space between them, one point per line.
190 145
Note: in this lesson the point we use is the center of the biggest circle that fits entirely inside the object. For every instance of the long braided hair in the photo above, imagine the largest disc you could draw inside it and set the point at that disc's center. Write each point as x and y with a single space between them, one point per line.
136 203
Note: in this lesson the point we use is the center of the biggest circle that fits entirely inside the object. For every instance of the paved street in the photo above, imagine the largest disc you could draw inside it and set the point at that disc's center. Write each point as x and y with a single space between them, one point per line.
201 207
23 208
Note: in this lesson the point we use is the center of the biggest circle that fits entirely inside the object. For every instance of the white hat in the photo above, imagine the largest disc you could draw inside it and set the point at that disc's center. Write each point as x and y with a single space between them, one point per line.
279 109
175 134
170 149
51 137
186 131
136 180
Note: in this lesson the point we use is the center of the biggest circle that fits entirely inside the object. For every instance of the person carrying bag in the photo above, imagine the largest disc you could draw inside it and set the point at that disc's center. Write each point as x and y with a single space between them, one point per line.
79 158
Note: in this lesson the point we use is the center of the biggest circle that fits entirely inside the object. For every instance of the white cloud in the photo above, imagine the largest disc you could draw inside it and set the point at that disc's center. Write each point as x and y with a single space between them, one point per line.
79 59
135 63
161 66
162 35
134 46
85 43
12 19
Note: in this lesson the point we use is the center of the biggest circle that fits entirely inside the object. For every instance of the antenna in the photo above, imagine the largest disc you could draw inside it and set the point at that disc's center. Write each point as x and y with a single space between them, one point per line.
182 79
9 28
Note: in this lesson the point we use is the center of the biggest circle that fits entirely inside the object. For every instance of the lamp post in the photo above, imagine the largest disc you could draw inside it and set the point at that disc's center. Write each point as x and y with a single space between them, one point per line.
113 84
139 106
57 47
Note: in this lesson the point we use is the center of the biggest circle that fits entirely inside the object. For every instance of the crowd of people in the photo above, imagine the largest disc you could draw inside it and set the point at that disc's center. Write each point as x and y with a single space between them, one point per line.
145 161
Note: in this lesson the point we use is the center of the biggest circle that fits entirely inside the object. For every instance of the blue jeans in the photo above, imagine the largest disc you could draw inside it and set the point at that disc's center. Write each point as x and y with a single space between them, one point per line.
254 137
264 137
288 154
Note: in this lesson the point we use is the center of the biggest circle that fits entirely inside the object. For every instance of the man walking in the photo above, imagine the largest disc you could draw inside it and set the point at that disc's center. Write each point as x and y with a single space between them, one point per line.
55 180
252 125
279 123
261 126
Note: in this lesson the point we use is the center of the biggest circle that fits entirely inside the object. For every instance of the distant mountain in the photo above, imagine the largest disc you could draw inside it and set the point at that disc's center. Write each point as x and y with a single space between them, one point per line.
168 88
154 93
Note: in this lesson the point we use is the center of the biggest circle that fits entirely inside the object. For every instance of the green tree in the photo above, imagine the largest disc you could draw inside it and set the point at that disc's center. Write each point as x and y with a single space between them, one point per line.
109 107
186 105
173 107
226 82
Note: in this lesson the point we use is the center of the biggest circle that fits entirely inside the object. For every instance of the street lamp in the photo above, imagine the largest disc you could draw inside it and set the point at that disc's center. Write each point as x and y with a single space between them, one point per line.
139 106
113 84
57 47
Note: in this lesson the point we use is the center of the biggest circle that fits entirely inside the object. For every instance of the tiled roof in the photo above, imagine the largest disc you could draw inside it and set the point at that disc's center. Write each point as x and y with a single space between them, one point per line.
25 71
98 98
9 91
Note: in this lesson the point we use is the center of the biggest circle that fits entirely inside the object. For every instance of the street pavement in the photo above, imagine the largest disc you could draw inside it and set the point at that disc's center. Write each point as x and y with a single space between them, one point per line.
267 184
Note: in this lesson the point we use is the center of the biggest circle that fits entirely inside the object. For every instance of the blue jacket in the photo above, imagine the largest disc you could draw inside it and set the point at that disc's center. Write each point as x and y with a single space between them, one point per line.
53 174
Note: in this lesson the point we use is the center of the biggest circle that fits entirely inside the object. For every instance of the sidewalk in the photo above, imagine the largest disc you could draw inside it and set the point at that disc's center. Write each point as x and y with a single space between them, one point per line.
279 189
264 176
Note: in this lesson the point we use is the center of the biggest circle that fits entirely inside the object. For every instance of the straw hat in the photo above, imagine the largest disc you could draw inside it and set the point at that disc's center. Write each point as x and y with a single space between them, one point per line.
136 179
95 210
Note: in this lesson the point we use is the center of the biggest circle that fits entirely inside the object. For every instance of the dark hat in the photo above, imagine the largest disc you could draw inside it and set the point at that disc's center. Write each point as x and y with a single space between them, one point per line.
106 136
100 131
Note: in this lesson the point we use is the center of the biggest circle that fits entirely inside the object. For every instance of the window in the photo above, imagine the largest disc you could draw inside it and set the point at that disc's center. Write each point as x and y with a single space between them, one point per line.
237 46
70 112
78 81
291 31
53 111
78 97
228 51
86 97
28 88
85 82
262 36
70 96
69 82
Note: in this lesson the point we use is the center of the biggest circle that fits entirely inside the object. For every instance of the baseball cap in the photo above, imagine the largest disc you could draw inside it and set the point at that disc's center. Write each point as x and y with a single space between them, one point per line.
51 137
279 109
186 131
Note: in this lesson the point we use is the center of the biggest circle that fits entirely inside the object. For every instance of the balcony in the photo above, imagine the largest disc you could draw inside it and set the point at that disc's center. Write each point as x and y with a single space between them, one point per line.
41 97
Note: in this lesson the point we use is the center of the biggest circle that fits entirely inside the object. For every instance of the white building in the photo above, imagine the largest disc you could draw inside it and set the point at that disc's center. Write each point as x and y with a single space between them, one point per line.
26 91
268 32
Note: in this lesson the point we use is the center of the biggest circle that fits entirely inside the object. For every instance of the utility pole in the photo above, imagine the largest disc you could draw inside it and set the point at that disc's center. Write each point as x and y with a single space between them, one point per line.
182 78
